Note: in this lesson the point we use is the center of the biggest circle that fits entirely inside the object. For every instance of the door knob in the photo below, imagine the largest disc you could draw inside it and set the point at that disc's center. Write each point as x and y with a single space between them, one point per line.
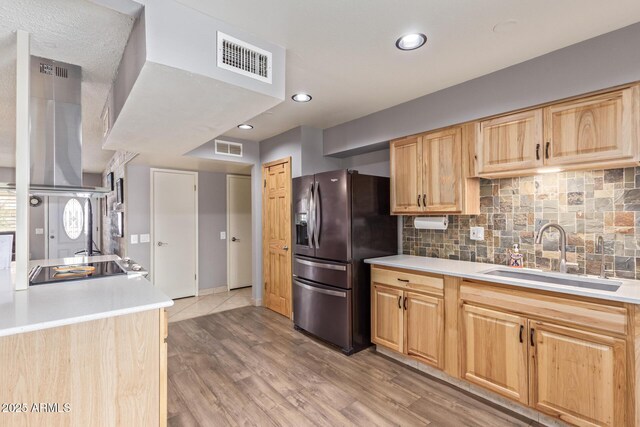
285 248
233 239
162 244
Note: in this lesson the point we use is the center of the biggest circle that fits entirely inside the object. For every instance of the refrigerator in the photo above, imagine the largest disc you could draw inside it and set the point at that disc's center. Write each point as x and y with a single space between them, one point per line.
341 218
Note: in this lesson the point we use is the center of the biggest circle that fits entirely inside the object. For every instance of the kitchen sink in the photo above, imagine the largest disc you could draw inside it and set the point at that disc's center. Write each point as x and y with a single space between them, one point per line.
556 279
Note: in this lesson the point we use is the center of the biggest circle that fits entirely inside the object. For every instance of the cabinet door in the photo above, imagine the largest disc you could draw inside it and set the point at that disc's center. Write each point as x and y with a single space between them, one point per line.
510 143
424 317
441 171
593 129
578 376
406 175
387 317
495 351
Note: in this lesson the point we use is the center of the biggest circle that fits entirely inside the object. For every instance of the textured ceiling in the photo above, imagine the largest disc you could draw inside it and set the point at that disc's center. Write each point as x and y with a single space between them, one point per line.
343 53
73 31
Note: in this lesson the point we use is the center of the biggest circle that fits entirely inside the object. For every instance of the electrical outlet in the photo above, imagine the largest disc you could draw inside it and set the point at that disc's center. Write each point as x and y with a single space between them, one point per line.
134 239
145 238
477 233
39 231
223 235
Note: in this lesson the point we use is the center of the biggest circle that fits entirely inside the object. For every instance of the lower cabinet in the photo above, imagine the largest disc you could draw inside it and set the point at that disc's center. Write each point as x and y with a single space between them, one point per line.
578 376
408 322
495 351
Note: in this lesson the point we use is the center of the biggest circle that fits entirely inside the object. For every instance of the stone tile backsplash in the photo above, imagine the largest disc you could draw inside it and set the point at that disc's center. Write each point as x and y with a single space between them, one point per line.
586 204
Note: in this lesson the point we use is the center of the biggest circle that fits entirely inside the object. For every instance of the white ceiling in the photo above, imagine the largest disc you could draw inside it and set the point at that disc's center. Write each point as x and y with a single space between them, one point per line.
74 31
343 53
160 160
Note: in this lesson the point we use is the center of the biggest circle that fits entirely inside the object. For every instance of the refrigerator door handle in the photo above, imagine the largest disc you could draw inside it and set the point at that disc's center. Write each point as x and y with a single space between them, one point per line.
311 221
317 217
320 290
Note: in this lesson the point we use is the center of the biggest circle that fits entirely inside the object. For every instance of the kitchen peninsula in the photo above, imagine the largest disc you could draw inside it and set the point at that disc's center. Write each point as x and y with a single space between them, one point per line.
81 351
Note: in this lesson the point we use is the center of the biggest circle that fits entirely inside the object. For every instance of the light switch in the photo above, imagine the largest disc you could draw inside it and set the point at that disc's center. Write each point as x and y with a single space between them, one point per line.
223 235
39 231
477 233
134 239
145 238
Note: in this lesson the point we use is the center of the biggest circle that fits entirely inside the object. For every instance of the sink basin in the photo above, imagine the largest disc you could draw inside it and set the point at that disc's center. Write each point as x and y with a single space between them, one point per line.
556 279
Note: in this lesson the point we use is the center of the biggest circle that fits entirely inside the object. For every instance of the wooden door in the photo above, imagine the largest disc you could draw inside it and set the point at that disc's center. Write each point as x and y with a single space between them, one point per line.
406 175
424 328
510 143
387 317
276 235
441 171
578 376
494 351
593 129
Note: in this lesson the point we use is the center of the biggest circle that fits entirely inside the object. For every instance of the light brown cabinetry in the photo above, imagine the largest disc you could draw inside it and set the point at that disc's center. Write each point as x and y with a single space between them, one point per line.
597 131
407 316
495 355
429 173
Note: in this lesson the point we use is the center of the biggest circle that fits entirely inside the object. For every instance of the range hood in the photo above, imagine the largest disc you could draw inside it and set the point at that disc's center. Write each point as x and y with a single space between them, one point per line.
55 128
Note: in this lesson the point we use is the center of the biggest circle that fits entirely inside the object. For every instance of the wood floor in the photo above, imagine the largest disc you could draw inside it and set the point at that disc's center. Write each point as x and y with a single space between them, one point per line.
249 367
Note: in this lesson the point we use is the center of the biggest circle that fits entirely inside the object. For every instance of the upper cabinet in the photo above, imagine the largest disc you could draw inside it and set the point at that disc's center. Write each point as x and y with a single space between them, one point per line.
511 142
599 131
430 173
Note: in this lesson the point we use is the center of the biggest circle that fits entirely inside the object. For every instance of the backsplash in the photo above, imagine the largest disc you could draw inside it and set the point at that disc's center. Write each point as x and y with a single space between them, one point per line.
586 204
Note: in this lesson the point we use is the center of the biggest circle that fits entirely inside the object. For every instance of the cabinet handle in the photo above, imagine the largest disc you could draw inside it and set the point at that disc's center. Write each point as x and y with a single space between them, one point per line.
403 280
405 303
521 330
424 200
546 150
538 151
418 200
533 331
400 302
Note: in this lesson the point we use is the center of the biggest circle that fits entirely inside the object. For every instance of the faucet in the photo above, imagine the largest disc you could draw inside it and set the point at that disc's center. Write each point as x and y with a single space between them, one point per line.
563 243
600 245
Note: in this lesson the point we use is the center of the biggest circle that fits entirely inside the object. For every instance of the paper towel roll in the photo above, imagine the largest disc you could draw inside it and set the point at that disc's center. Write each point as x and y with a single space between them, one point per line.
431 223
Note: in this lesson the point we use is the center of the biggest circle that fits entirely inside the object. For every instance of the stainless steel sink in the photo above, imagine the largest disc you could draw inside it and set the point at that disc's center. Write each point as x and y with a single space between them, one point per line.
556 279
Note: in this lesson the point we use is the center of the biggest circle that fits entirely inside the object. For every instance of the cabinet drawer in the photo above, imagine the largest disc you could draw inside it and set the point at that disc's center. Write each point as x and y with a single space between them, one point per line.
580 313
408 280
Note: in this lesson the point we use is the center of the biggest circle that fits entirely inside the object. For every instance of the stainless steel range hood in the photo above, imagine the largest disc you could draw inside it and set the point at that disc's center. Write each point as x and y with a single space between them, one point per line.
55 126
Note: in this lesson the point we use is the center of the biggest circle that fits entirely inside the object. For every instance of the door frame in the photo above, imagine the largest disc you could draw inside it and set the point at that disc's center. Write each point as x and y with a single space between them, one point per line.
265 249
152 225
229 177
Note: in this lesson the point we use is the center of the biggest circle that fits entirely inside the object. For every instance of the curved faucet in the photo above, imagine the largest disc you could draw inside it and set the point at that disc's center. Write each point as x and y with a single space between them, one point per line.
563 243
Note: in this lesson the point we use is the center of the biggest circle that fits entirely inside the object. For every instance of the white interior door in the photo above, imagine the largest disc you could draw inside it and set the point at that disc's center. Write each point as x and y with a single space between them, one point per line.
66 225
174 227
238 231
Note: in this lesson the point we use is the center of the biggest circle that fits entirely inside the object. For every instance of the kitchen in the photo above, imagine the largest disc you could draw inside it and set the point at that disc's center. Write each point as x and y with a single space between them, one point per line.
455 247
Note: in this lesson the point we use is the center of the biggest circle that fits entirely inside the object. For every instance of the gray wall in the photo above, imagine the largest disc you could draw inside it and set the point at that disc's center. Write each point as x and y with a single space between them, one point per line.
605 61
212 219
313 161
373 163
287 144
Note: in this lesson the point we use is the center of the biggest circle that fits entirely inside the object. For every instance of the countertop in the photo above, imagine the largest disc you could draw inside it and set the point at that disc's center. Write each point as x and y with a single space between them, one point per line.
59 304
629 290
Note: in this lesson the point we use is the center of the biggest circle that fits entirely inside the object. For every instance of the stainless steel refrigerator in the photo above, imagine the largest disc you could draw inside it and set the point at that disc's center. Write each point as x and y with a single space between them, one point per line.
340 219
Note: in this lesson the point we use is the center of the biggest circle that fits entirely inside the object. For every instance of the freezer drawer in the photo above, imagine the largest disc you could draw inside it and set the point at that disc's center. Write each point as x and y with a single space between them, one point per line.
317 270
323 311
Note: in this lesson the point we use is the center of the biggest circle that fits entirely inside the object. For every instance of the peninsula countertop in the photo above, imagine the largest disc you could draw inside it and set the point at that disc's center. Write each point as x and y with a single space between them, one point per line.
59 304
629 290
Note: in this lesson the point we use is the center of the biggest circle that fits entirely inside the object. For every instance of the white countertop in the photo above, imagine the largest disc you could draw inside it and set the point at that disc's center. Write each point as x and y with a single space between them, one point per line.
57 304
629 290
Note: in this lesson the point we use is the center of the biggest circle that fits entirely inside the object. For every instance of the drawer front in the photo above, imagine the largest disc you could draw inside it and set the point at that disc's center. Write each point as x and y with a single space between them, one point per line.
408 280
580 313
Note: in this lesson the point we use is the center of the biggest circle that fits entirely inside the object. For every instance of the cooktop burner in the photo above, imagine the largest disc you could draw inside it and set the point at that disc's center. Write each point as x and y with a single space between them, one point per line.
66 273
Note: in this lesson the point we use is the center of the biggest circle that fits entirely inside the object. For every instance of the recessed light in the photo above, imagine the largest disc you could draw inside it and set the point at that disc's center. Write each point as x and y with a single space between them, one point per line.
245 126
411 41
301 97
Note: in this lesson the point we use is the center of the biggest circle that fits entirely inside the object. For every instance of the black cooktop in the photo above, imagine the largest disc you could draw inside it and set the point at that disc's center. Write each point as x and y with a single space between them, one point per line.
50 275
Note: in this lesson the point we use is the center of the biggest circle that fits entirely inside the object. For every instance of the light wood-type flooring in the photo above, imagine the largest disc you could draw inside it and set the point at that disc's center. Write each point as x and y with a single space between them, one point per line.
248 366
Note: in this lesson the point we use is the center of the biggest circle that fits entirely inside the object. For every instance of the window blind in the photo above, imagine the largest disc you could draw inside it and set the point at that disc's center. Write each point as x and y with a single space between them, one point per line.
7 211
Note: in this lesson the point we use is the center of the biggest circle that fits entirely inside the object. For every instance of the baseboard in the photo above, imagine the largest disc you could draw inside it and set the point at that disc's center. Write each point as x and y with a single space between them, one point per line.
256 302
510 405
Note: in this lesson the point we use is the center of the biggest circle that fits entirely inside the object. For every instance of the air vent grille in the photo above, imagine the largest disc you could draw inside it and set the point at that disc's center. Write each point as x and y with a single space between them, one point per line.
50 70
227 148
62 72
243 58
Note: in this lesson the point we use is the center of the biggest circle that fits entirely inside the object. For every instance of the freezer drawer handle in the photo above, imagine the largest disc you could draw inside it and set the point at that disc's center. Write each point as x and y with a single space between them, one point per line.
321 265
321 290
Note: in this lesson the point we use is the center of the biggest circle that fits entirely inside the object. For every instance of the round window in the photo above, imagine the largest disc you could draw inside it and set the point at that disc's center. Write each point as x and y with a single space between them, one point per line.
73 219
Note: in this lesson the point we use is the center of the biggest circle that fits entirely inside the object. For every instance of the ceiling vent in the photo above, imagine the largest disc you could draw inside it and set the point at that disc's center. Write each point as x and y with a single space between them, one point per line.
243 58
227 148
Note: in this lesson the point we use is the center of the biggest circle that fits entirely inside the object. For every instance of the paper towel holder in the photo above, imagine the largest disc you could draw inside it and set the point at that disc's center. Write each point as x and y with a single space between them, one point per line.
431 223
